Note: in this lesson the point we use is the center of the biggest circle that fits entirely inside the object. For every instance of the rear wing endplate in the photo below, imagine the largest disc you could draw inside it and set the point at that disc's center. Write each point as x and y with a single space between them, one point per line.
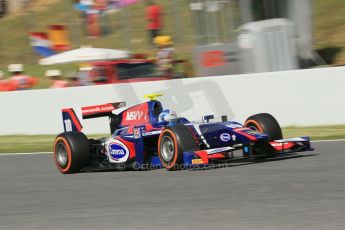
72 123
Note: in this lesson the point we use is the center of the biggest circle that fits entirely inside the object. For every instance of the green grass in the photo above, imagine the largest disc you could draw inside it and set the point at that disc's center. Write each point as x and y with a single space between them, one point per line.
43 143
317 132
23 143
30 143
328 30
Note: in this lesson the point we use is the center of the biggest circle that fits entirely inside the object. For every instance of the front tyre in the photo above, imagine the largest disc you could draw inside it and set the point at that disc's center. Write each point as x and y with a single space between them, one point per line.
265 123
71 152
172 142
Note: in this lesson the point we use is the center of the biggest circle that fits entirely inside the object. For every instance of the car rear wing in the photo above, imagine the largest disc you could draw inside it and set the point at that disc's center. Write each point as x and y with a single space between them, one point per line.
72 123
103 110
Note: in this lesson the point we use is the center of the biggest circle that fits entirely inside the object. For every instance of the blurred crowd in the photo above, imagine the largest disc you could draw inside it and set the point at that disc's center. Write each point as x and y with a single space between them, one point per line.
86 74
94 15
95 21
18 79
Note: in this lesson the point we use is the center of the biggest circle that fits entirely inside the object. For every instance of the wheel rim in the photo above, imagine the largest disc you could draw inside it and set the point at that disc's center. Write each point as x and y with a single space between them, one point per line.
61 155
253 127
167 149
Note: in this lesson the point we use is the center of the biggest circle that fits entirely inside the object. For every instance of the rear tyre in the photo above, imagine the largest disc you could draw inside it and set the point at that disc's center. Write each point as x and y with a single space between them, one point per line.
265 123
71 152
172 142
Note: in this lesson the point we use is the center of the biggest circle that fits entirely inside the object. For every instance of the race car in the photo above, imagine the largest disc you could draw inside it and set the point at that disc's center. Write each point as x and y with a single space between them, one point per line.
148 136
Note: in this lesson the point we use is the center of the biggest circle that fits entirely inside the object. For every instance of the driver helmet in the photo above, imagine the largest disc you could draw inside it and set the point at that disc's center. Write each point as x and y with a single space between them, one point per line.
167 116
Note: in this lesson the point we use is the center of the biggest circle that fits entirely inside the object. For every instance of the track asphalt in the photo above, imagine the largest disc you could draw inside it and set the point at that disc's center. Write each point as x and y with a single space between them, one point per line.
297 193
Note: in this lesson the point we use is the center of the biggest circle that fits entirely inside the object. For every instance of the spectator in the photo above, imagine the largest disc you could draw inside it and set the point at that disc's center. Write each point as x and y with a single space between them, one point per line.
5 85
92 23
99 75
73 81
92 18
19 80
3 82
56 79
154 17
83 75
102 6
165 55
82 6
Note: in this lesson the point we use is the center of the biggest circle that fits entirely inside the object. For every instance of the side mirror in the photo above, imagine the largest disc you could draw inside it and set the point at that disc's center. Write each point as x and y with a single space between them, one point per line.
207 118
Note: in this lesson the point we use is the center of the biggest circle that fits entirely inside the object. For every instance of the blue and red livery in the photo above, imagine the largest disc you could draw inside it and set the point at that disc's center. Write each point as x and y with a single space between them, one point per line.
140 140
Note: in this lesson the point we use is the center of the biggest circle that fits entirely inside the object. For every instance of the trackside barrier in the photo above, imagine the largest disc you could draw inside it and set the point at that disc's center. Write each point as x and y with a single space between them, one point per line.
299 97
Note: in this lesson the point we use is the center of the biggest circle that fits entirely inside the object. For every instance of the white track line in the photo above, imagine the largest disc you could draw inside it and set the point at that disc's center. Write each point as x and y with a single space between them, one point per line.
36 153
335 140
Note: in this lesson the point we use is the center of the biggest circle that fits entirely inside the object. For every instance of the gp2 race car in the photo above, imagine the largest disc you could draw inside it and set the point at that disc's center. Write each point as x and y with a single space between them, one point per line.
146 135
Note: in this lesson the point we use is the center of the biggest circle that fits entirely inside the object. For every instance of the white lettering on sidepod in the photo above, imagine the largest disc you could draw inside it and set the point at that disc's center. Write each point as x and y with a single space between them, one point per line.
134 115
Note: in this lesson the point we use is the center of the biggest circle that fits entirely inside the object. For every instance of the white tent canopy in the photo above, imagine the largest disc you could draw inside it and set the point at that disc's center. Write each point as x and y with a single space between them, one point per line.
84 55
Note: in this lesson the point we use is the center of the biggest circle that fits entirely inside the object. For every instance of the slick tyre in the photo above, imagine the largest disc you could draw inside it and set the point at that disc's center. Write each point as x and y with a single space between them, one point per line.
172 142
71 152
265 123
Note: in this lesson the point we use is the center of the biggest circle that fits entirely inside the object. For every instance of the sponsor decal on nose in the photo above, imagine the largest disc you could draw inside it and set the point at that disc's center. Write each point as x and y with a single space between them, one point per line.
225 137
